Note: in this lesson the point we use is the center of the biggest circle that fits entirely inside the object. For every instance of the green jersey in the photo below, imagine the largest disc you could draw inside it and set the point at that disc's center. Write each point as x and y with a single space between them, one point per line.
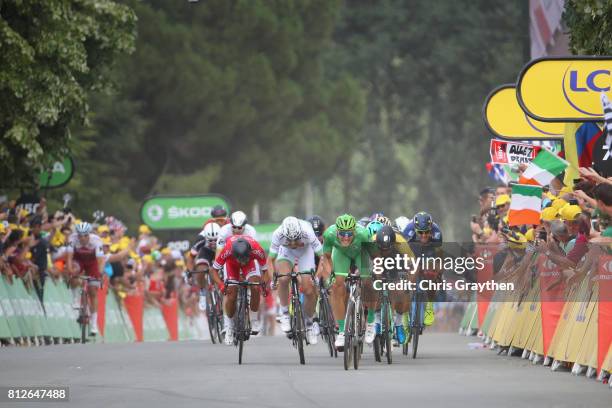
360 242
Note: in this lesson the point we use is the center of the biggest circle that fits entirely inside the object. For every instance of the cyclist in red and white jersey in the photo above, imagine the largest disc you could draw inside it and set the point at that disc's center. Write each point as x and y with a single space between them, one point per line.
243 257
218 216
86 250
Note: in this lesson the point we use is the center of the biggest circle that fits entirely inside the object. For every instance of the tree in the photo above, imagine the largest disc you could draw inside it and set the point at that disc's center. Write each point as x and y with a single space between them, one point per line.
589 23
52 54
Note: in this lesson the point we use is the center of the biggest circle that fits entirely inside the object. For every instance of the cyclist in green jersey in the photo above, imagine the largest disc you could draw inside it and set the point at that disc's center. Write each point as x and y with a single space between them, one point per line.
345 246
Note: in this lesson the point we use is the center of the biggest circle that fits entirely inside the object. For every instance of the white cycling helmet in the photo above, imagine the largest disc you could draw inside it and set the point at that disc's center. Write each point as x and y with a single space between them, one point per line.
402 222
83 228
291 228
238 219
211 231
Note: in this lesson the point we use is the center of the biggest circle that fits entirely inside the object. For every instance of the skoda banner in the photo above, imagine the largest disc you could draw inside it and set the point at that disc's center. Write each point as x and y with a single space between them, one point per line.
505 119
180 212
264 234
58 175
565 89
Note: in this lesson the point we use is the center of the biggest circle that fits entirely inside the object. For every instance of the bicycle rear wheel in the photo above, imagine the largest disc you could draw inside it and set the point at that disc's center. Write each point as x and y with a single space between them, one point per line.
349 328
84 316
358 340
211 318
377 345
325 326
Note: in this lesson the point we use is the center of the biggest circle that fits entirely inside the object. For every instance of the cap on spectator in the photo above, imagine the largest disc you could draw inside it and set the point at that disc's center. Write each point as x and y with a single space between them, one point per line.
502 199
147 259
558 203
166 251
570 212
144 229
103 228
549 214
23 213
516 240
530 235
179 263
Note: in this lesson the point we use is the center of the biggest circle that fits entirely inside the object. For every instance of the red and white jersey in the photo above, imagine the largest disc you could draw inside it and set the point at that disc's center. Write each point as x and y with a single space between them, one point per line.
225 256
226 232
93 247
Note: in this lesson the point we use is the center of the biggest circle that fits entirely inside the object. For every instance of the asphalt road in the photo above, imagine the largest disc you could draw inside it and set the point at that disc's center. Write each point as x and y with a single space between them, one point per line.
200 374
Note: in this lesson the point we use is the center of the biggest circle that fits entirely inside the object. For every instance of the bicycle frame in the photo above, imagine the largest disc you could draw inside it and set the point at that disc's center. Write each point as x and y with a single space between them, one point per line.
243 326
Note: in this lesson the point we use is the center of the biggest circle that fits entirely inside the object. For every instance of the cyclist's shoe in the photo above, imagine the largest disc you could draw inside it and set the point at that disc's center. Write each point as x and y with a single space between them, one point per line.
370 333
255 327
229 336
312 333
339 343
285 322
76 302
378 328
400 334
202 303
429 317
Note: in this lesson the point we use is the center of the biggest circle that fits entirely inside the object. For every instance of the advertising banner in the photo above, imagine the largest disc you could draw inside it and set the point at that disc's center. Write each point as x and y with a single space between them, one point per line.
264 234
505 119
564 89
503 152
180 212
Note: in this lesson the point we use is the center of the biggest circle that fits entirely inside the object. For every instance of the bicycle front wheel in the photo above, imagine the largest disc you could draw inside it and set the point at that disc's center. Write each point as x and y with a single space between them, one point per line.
298 324
387 330
349 328
415 327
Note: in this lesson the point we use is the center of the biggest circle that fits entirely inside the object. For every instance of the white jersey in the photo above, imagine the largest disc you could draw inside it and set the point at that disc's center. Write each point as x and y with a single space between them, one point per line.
94 245
226 231
308 239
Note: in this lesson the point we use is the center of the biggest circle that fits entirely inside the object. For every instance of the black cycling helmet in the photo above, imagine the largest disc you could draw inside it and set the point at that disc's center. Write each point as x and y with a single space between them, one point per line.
422 221
218 211
241 250
385 237
318 225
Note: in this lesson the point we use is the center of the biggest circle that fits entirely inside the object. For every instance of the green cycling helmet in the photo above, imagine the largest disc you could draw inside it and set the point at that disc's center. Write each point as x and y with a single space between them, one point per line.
346 222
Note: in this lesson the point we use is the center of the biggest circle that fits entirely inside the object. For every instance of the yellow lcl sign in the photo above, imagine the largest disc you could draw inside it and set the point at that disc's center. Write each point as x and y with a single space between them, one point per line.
505 119
564 89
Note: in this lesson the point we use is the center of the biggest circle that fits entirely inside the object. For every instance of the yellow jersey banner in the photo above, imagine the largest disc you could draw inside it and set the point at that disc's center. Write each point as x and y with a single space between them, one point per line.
505 119
564 89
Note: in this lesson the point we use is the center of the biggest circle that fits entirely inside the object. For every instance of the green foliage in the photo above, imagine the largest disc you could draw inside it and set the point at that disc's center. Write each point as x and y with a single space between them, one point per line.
589 23
52 53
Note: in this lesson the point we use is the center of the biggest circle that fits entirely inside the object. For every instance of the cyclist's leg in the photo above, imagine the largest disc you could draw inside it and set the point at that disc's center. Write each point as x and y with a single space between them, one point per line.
253 275
201 266
369 296
305 263
338 296
283 265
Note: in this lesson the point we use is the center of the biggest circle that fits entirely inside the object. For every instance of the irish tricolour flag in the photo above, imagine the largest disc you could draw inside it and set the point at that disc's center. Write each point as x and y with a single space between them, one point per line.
543 169
526 205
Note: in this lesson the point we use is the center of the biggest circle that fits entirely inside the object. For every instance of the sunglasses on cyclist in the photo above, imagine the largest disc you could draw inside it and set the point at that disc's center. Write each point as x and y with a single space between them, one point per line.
345 234
237 228
423 232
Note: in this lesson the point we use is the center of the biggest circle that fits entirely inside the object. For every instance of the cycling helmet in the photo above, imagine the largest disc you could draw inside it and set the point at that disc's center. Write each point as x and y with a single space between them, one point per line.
291 228
238 219
211 231
218 211
241 250
83 228
374 227
385 237
384 220
364 221
346 222
422 221
318 226
402 222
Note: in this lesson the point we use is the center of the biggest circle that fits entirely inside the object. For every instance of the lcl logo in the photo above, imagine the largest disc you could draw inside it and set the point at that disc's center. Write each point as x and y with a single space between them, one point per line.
578 86
590 83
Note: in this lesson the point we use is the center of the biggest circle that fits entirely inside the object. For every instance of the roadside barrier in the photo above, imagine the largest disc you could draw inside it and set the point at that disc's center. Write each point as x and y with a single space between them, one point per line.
25 320
564 327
